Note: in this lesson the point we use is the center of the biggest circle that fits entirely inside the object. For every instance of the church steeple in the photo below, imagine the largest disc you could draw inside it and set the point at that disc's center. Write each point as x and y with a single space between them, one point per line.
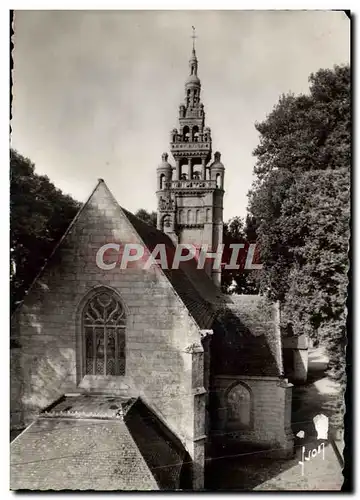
190 199
192 84
192 128
193 63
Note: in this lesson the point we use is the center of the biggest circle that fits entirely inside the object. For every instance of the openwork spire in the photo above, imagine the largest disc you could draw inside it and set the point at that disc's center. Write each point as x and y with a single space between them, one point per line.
193 78
193 36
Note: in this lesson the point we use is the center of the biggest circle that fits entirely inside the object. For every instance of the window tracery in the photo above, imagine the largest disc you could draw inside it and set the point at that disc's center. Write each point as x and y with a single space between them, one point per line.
104 323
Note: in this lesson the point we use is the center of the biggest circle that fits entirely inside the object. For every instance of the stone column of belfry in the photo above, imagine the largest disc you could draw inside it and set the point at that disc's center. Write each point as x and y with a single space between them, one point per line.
200 203
190 168
166 219
203 169
178 170
217 171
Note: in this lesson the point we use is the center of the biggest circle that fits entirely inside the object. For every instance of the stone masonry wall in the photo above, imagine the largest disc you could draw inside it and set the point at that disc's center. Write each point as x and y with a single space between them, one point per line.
271 412
16 417
158 333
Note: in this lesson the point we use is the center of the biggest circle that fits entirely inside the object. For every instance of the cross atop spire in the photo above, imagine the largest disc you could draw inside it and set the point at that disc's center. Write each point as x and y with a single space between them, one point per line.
193 36
193 63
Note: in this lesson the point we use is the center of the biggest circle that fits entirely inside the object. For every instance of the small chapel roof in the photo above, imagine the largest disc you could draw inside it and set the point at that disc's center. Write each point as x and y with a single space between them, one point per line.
247 338
79 444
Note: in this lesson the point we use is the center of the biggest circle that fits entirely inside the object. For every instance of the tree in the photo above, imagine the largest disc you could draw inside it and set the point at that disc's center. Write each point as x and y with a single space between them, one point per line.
301 202
236 230
241 281
39 215
148 217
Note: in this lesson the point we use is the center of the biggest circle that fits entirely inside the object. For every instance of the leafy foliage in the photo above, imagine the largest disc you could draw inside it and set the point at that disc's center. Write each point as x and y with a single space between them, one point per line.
236 230
39 215
241 281
301 202
148 217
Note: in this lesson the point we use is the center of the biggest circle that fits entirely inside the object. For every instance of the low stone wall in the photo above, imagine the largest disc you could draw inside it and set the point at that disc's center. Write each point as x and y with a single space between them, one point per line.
269 424
298 347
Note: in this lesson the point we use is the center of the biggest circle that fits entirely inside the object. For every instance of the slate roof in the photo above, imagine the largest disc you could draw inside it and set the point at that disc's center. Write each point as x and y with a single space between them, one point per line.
163 452
246 338
244 325
198 292
57 454
83 442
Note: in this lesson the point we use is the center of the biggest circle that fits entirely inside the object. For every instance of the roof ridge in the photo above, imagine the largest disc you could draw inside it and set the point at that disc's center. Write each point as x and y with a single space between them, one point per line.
125 213
191 293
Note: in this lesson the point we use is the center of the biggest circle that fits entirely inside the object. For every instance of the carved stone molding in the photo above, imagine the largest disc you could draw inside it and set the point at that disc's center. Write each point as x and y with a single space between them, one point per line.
191 184
118 414
192 348
166 204
180 224
191 192
205 333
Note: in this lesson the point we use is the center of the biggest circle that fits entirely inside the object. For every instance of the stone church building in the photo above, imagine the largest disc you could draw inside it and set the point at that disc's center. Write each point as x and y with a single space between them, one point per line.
134 378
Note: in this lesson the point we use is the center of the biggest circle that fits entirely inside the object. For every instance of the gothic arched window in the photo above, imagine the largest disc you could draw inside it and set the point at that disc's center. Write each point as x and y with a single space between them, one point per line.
186 133
103 323
166 222
197 216
162 181
218 180
239 404
195 133
189 218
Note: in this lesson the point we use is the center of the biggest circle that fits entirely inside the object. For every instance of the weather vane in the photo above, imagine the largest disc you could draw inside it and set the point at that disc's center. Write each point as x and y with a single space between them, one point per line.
193 36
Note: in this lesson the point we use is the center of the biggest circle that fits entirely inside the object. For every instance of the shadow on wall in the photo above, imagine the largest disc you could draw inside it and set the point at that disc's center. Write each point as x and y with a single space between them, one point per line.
236 351
164 453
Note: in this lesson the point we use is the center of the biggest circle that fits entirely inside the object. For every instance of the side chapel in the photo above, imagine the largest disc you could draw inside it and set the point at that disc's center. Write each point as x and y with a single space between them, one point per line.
134 378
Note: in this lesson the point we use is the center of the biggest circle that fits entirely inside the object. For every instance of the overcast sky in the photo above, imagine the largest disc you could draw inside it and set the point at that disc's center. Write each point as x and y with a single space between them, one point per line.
96 93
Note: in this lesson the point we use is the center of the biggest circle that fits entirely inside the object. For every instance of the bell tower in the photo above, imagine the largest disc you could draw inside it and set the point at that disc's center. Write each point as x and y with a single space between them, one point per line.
190 194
